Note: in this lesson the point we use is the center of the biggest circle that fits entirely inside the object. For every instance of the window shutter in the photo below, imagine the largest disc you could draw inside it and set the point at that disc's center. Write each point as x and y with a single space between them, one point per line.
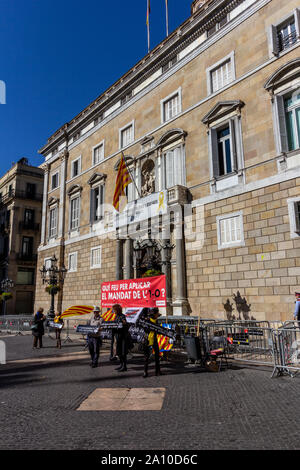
169 170
233 146
281 119
297 216
177 166
297 22
92 206
214 152
273 41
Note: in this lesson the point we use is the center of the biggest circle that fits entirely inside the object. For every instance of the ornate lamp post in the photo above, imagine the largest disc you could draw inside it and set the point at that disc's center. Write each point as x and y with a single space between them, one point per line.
6 285
54 277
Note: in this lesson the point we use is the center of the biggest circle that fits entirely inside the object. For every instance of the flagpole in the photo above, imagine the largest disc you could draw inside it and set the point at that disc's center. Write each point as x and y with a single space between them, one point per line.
148 24
132 179
167 17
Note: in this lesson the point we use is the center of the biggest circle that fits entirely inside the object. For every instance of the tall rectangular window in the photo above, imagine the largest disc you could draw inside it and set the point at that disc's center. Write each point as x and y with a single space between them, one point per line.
171 107
76 167
230 230
27 246
174 163
55 180
96 257
72 262
224 151
98 154
53 222
286 34
292 115
74 223
97 201
127 136
221 76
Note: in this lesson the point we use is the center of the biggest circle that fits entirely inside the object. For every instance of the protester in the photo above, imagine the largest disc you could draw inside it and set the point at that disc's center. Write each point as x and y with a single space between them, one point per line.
113 356
38 329
94 339
58 319
150 342
122 337
297 308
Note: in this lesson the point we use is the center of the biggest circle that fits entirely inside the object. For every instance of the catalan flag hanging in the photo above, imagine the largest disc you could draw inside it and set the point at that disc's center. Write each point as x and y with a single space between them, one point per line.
122 181
77 310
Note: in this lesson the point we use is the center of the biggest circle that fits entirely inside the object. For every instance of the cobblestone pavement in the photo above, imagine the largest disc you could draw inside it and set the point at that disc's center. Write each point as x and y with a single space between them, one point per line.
238 408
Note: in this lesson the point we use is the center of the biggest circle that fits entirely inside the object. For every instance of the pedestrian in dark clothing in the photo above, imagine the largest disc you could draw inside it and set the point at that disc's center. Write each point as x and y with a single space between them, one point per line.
38 330
122 336
94 339
151 344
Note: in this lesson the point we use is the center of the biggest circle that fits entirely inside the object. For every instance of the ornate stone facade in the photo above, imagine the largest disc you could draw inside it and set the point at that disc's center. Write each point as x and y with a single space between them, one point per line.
210 141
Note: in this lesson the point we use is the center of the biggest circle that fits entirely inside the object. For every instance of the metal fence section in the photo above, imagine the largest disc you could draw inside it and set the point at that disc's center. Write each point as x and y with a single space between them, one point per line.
15 324
286 351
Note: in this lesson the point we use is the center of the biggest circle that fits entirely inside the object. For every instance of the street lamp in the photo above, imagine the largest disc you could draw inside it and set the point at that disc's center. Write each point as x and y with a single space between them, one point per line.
6 285
54 277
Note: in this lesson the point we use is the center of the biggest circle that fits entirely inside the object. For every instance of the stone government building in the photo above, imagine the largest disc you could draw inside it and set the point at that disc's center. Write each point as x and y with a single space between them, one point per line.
209 117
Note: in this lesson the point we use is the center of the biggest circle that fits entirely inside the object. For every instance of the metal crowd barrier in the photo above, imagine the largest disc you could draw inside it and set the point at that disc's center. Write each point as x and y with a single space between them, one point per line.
286 351
15 324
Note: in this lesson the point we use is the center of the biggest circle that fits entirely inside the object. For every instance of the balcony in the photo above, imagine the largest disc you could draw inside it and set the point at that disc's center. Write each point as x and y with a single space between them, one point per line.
284 42
28 226
28 257
17 194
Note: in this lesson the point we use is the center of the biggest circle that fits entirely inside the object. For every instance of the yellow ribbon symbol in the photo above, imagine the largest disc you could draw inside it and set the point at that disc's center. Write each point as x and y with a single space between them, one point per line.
161 201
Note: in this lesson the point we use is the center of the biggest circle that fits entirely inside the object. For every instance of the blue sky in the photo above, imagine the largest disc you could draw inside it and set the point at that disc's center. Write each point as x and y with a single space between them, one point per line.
56 56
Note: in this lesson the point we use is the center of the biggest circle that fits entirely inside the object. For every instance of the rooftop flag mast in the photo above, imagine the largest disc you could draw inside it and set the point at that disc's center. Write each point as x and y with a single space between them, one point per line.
167 17
148 23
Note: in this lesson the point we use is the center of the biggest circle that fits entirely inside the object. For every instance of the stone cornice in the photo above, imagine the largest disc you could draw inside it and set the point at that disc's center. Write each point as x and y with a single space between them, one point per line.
185 34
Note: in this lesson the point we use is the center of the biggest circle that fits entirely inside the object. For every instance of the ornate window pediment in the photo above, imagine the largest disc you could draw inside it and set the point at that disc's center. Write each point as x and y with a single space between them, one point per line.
53 201
170 136
222 109
283 75
97 178
74 189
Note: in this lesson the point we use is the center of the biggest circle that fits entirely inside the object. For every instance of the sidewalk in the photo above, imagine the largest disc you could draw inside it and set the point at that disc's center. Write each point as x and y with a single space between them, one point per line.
41 391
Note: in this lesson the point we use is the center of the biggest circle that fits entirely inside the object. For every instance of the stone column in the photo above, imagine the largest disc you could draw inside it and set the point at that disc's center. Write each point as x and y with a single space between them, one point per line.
119 259
166 269
62 197
180 306
46 169
128 259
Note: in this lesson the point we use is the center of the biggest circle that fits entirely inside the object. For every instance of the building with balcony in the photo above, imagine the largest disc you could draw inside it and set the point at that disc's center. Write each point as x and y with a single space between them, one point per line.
21 194
208 123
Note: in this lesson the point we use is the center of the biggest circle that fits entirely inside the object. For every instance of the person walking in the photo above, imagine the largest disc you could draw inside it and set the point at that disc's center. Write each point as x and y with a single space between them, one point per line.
122 337
38 329
94 339
151 343
59 320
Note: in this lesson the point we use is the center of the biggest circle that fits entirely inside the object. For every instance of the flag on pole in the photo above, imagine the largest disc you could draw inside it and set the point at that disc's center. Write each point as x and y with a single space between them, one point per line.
122 181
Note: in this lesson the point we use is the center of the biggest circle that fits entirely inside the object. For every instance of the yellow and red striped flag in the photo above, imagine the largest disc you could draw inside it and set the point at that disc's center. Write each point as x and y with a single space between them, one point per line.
77 310
109 315
122 181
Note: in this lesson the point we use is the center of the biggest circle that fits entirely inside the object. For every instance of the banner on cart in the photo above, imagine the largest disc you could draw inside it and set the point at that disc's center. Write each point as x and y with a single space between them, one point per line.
146 292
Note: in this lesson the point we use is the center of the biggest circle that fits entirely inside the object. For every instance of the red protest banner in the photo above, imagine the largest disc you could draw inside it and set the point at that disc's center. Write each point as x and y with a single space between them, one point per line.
146 292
